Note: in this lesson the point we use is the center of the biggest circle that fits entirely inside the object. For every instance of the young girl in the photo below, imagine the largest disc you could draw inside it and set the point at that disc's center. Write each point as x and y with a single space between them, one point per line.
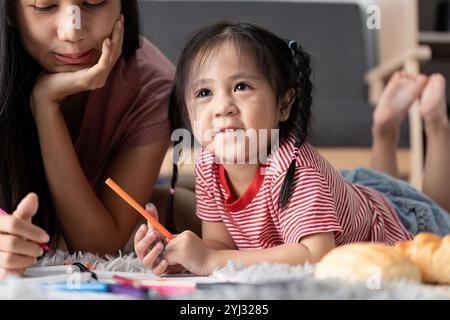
295 207
77 105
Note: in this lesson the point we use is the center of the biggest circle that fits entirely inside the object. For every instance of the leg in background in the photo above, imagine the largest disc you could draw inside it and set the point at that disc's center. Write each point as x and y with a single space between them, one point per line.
398 96
433 109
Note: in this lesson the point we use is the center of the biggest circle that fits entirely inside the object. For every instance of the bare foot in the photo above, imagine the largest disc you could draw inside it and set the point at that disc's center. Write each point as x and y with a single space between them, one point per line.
433 108
398 96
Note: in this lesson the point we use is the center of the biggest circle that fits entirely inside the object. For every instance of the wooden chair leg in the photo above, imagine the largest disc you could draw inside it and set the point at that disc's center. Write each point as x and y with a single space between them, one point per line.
415 136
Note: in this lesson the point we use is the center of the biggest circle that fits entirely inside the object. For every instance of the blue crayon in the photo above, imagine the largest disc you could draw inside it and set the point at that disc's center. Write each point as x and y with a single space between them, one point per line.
82 287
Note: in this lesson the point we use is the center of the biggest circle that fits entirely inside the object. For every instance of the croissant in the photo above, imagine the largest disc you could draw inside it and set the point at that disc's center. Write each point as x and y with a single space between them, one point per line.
431 254
367 262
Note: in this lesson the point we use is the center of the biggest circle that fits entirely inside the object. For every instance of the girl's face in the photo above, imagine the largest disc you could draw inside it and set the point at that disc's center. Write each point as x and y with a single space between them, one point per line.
62 39
228 92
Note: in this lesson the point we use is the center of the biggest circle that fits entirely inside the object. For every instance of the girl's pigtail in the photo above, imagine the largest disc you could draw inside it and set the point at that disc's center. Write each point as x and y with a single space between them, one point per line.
302 69
169 220
169 217
288 182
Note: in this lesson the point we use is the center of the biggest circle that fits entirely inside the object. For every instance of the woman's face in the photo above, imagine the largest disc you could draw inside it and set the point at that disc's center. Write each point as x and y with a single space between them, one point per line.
66 35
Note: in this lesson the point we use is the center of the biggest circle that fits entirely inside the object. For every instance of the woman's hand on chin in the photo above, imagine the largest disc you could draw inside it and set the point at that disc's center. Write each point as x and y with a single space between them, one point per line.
53 88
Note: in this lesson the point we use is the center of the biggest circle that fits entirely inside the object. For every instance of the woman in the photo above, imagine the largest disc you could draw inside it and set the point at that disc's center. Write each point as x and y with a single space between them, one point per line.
78 105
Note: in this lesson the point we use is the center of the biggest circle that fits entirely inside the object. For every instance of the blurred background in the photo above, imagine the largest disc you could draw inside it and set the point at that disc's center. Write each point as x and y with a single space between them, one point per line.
355 47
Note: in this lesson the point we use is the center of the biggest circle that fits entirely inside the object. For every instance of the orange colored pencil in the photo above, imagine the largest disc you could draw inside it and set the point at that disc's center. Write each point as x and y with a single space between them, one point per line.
125 196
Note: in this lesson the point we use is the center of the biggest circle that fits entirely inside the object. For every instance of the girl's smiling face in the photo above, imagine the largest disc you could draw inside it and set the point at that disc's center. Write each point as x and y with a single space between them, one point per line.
43 28
227 91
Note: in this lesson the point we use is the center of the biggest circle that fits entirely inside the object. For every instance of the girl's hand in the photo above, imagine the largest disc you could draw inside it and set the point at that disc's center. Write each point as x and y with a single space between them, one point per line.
149 244
188 250
19 238
55 87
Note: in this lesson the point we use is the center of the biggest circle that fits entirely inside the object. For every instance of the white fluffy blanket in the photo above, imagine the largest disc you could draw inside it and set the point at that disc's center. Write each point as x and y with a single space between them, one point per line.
264 281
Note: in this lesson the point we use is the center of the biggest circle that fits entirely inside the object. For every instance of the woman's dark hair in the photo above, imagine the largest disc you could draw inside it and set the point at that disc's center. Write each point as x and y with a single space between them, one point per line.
284 63
21 166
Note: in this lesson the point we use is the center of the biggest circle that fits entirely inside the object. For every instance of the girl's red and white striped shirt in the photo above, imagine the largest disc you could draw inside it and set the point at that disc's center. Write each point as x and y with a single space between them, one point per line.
321 201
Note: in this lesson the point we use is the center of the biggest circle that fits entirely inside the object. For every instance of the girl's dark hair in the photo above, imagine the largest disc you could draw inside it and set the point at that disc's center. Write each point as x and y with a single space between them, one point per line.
284 63
21 166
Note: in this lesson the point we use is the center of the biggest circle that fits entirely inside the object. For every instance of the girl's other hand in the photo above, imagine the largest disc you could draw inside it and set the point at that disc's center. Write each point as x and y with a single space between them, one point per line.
188 250
19 238
55 87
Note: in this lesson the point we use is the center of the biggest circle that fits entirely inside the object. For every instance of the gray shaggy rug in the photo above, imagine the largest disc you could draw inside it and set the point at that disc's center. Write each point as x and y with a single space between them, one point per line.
264 281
